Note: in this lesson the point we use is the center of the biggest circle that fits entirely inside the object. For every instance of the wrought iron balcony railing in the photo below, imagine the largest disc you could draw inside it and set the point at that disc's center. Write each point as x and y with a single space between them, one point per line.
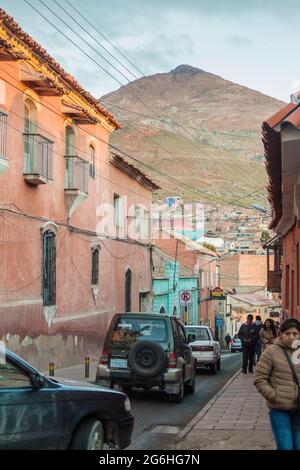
38 159
77 174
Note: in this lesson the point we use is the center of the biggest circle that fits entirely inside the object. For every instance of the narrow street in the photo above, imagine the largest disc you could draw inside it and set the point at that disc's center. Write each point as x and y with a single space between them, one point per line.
151 409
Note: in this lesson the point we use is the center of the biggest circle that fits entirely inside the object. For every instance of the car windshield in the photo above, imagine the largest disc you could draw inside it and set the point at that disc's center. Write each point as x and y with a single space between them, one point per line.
129 329
200 333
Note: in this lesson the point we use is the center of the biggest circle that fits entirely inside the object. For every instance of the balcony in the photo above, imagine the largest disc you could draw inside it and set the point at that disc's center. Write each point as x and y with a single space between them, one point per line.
274 264
76 181
274 281
38 156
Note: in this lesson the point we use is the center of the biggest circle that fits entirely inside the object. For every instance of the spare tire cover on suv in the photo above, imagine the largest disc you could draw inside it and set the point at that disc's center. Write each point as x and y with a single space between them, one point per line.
147 359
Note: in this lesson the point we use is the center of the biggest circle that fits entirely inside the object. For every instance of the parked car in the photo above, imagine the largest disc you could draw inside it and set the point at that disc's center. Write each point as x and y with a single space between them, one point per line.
145 350
236 344
206 348
39 412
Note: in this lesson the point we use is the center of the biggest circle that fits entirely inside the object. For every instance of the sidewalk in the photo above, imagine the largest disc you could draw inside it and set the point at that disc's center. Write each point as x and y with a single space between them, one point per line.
76 372
235 419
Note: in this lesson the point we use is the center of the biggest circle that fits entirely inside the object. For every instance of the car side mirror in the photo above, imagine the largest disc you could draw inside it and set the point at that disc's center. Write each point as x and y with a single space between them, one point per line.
37 381
191 338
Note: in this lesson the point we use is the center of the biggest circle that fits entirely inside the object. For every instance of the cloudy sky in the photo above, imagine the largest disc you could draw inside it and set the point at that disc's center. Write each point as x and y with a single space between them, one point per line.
250 42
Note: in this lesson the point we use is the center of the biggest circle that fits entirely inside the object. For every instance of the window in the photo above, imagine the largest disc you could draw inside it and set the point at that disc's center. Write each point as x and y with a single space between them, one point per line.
202 280
137 219
3 133
49 268
146 225
95 267
128 278
162 310
30 129
70 141
12 377
92 162
117 210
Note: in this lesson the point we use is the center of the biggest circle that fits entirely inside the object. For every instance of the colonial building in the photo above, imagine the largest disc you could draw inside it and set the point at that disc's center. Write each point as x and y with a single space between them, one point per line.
175 288
202 262
281 136
74 220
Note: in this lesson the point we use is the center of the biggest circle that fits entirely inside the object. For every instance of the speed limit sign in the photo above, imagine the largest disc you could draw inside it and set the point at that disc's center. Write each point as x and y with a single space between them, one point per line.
185 297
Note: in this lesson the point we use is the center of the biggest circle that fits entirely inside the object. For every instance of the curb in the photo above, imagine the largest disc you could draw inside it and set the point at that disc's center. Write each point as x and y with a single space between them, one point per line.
205 409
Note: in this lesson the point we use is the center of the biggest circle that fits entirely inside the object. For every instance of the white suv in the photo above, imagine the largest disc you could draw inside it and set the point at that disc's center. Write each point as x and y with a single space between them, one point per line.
205 348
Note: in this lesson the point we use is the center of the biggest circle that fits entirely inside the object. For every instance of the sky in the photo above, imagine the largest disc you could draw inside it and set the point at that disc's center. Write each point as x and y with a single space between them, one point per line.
250 42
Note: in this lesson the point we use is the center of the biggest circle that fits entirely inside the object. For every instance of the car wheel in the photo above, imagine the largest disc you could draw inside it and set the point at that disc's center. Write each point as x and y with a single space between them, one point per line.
147 359
178 397
219 364
213 368
89 436
233 350
191 384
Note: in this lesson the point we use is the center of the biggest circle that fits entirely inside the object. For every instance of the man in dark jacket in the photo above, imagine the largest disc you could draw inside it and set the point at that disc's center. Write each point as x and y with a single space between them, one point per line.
248 335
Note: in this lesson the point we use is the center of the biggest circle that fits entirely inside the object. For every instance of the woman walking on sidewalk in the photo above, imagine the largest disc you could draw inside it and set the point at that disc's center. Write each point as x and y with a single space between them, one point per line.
277 378
267 334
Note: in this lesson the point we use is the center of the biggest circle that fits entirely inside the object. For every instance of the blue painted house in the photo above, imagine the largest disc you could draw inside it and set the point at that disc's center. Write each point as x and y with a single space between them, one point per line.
175 288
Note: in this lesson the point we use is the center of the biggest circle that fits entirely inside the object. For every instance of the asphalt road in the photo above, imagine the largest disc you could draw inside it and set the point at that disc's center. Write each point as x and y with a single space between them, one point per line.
151 409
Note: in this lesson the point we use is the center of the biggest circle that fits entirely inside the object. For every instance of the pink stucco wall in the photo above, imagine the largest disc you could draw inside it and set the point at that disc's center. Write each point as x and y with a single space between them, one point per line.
79 319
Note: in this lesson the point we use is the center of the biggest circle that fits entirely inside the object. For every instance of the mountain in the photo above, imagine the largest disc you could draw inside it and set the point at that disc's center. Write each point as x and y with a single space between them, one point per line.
196 127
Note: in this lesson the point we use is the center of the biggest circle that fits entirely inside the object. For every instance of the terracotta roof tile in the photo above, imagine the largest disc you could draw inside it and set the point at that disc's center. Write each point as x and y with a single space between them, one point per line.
276 118
14 28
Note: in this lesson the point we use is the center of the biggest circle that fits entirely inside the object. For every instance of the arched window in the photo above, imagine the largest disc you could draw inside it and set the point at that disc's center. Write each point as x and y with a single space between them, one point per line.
70 141
30 126
162 310
95 267
92 161
128 278
175 311
49 268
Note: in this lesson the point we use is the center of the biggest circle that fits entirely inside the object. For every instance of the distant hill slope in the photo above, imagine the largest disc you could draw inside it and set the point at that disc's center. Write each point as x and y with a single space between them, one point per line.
209 128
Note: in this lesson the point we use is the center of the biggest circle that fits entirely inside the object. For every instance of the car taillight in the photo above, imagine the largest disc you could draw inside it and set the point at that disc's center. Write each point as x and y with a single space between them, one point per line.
172 360
104 358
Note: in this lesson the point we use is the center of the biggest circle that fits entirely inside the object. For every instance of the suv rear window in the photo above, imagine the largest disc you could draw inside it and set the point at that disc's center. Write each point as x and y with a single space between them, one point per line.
201 333
129 329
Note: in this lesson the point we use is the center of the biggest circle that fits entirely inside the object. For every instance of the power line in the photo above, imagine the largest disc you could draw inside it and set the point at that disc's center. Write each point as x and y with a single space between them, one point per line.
91 58
175 181
104 37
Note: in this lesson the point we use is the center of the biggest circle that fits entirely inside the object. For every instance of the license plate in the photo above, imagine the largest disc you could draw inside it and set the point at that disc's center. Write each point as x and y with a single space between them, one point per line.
118 363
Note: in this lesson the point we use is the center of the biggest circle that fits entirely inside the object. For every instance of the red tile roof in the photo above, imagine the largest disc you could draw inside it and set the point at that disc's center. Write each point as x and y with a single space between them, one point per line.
13 27
133 171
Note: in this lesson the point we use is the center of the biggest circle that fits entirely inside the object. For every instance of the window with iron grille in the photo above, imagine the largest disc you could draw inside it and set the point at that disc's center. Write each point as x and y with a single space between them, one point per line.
95 267
3 134
128 277
49 268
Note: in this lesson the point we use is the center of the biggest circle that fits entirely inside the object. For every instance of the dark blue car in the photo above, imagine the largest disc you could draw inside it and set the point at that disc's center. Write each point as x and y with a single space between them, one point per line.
38 412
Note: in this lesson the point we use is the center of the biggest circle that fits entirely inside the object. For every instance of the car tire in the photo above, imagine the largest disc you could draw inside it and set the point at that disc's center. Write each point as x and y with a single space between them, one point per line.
177 397
147 359
233 350
219 364
191 384
88 436
213 368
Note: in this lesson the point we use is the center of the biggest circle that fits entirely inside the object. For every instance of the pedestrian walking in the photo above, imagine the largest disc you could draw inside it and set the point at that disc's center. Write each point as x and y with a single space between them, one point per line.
267 334
259 324
228 340
248 334
277 378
